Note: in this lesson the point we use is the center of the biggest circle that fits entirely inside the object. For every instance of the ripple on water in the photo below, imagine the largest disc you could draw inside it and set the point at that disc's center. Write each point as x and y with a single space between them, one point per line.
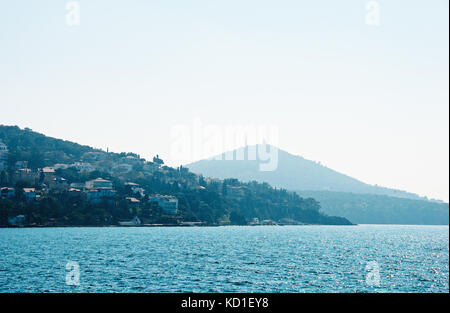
226 259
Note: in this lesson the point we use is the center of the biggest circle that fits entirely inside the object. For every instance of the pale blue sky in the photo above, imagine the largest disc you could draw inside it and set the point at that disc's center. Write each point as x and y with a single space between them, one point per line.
371 102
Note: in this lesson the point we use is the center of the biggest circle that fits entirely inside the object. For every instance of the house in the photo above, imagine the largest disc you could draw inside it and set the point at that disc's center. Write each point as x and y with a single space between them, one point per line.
83 167
3 156
3 149
94 156
80 186
48 174
61 166
99 183
30 193
139 191
134 222
268 222
133 202
96 195
48 170
60 181
7 192
132 160
21 165
124 168
28 176
135 189
18 220
169 204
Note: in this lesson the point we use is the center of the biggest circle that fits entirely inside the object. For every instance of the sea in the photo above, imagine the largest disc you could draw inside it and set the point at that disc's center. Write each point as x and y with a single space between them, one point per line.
278 259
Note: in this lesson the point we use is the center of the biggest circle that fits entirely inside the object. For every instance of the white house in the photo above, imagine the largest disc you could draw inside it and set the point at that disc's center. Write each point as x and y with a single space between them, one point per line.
134 222
169 204
83 167
99 183
3 156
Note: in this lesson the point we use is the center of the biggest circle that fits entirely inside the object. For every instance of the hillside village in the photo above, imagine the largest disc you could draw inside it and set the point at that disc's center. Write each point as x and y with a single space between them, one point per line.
50 182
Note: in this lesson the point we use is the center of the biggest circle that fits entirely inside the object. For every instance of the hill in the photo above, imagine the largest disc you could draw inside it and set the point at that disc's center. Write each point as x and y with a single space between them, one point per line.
62 193
337 193
380 209
293 173
38 149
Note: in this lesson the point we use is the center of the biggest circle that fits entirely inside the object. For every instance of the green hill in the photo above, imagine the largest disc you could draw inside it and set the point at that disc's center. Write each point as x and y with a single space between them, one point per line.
380 209
212 202
337 193
39 150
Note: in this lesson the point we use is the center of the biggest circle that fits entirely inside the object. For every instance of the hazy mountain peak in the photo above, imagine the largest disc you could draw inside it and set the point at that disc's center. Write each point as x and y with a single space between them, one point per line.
293 172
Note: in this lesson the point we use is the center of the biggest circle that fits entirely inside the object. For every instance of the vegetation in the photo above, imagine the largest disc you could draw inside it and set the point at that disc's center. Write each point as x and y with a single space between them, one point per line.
212 202
293 173
379 209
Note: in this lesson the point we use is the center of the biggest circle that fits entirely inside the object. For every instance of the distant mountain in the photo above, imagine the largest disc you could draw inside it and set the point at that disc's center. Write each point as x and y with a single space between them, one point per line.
380 209
293 173
338 194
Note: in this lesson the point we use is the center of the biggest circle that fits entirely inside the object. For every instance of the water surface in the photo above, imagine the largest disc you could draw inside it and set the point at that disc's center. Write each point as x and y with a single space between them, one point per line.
226 259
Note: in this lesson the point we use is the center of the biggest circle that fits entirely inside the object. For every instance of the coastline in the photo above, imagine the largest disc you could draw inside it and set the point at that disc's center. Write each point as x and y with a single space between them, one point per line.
166 225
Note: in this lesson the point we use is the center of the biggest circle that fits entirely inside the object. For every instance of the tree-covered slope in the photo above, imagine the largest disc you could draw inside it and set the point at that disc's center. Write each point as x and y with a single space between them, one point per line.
213 202
38 149
337 193
293 173
380 209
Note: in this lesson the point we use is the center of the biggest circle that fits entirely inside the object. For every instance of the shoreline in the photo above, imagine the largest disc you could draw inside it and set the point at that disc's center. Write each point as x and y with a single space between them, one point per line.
166 225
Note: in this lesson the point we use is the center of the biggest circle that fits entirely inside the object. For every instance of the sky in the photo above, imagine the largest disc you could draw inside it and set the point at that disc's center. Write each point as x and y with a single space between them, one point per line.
370 101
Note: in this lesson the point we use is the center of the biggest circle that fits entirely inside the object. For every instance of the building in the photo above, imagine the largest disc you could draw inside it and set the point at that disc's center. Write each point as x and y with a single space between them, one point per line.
83 167
94 156
80 186
99 194
21 165
7 192
48 174
123 167
61 166
135 189
132 160
18 220
59 183
169 204
30 193
133 202
138 191
28 176
99 183
134 222
3 156
48 170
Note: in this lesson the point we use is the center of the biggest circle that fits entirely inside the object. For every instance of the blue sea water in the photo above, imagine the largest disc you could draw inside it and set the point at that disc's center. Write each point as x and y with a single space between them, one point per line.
227 259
